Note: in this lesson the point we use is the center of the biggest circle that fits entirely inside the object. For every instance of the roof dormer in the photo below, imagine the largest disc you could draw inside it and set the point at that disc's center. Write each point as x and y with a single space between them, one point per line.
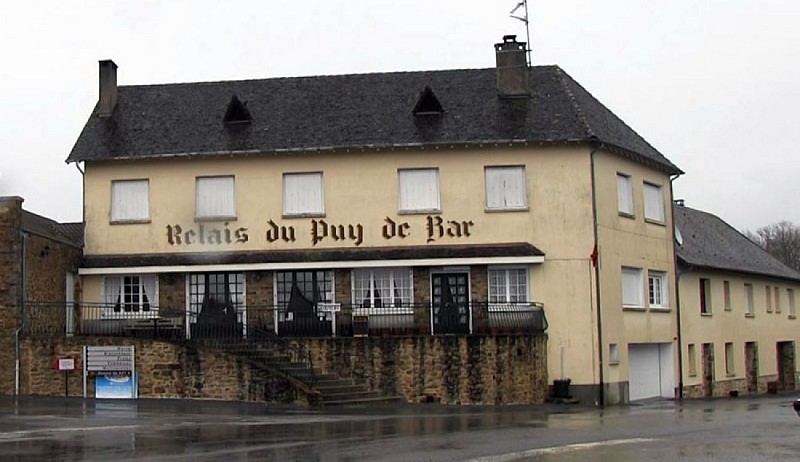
428 103
237 112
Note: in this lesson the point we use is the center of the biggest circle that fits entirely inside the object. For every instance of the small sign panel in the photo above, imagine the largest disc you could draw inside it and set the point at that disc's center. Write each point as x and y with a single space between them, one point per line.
65 364
109 358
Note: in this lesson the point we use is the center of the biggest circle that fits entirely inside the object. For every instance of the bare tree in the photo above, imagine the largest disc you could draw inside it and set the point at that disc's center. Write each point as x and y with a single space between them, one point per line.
781 240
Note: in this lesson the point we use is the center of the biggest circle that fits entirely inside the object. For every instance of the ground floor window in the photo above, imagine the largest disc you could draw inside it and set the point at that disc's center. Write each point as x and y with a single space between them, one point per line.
134 294
296 288
216 297
382 288
507 286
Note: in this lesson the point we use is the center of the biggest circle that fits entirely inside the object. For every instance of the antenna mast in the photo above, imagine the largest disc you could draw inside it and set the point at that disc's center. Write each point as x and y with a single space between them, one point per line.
524 5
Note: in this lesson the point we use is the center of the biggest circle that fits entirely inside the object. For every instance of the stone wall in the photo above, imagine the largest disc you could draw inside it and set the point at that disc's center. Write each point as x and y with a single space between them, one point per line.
10 285
446 369
722 388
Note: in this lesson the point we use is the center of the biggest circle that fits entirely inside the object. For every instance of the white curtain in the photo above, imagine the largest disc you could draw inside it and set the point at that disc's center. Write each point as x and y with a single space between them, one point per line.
150 286
113 290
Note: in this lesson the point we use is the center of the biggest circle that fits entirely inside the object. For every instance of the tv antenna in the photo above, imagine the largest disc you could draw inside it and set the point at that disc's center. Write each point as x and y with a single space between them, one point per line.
523 16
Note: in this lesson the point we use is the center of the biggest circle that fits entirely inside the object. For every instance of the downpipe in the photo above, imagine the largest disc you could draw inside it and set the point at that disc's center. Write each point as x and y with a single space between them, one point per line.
16 361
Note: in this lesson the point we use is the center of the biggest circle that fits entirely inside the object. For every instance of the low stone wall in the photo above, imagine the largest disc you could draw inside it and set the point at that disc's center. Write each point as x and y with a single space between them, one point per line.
721 388
502 369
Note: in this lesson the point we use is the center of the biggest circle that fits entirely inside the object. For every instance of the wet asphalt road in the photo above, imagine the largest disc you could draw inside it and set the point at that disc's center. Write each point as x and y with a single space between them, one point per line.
737 429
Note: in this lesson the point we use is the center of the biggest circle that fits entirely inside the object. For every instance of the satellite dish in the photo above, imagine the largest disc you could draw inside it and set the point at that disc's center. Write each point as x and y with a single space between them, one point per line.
678 236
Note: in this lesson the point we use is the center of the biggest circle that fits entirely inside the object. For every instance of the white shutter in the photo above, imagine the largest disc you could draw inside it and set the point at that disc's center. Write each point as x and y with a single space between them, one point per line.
215 197
130 200
302 194
419 189
632 288
506 187
625 194
653 202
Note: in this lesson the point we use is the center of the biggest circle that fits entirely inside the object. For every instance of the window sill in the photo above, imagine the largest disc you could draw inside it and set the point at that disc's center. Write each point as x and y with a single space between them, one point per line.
290 216
634 308
660 309
728 308
792 316
211 219
627 215
706 315
749 315
613 363
130 222
730 374
653 221
420 212
506 209
692 374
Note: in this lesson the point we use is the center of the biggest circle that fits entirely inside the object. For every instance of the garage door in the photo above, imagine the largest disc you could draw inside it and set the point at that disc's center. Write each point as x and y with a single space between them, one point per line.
651 371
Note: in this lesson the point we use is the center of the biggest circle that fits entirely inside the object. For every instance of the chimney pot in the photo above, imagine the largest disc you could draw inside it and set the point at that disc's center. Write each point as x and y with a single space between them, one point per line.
108 88
512 68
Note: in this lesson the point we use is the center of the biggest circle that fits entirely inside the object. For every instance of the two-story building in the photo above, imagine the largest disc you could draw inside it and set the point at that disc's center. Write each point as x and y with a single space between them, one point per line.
455 203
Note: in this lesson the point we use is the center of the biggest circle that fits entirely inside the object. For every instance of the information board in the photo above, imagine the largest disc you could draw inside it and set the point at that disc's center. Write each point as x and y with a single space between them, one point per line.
104 359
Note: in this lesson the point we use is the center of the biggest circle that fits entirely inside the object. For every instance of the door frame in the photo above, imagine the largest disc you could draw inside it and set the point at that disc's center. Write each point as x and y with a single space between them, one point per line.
451 270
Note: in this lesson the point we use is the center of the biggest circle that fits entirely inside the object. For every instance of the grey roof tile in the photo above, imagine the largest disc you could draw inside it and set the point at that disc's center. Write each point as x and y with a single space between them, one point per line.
66 233
354 111
709 242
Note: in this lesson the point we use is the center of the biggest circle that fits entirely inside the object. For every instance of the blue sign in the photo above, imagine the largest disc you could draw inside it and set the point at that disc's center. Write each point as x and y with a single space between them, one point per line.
116 386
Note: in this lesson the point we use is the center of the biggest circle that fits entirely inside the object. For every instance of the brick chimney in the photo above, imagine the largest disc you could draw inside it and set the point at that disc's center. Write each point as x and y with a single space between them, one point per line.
512 68
108 88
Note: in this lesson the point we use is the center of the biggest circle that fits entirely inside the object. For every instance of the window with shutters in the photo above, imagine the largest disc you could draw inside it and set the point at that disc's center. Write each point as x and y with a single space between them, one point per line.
303 194
506 188
130 201
419 190
632 288
625 195
654 203
215 198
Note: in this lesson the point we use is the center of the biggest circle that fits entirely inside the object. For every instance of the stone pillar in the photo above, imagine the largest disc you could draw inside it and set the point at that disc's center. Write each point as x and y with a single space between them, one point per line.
10 286
479 291
422 300
260 303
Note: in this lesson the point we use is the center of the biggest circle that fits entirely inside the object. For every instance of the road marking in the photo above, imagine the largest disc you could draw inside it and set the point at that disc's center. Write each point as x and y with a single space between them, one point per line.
558 450
51 431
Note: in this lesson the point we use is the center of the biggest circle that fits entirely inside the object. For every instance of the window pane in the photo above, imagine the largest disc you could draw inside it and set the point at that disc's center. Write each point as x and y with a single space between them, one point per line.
625 194
302 193
653 202
508 285
419 189
215 197
506 187
130 200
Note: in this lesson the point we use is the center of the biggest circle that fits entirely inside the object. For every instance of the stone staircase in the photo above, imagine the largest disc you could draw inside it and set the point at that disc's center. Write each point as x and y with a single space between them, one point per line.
321 389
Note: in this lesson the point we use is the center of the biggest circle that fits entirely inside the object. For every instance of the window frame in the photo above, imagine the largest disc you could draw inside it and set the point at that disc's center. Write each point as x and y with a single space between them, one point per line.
691 359
730 360
401 198
316 210
651 201
790 303
661 276
625 185
726 295
396 275
145 306
640 291
749 300
144 218
223 215
520 174
495 305
704 296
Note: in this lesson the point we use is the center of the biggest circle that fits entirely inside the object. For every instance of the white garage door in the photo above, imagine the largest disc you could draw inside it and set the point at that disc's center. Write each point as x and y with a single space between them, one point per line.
651 371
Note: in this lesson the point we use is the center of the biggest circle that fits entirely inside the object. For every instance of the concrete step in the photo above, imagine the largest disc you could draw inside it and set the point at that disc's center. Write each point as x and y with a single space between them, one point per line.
362 401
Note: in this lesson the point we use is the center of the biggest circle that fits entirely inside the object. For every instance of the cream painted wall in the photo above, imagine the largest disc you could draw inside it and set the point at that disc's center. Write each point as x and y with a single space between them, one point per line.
722 325
633 242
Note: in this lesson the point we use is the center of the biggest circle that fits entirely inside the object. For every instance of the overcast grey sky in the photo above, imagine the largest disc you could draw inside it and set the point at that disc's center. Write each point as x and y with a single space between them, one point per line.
712 84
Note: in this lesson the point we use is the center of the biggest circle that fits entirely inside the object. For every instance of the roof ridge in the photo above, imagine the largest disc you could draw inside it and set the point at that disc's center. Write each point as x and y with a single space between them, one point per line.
579 113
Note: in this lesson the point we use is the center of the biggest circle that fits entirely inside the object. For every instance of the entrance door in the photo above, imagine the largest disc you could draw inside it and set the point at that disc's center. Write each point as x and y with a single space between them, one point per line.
786 365
450 303
751 366
708 369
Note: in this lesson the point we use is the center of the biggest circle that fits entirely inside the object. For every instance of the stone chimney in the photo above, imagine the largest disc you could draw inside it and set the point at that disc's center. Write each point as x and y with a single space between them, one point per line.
108 88
512 68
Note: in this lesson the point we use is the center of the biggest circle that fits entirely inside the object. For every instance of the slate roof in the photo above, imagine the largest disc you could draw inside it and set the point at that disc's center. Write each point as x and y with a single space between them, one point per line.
357 111
66 233
344 255
709 242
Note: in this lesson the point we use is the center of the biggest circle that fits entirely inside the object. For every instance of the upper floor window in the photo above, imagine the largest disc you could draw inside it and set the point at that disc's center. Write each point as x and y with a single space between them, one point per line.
382 288
215 198
768 298
419 190
624 194
726 293
506 188
508 285
790 302
632 288
130 295
748 299
705 296
777 299
654 203
130 201
302 194
657 289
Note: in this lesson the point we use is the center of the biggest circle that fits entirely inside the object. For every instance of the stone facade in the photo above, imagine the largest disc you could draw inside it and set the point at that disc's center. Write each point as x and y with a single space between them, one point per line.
10 285
448 369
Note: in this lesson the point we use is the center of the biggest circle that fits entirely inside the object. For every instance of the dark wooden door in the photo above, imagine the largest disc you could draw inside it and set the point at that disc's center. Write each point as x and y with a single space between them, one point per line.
450 303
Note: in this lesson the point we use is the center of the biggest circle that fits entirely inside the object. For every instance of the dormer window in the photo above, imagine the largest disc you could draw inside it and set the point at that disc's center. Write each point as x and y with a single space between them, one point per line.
237 112
428 103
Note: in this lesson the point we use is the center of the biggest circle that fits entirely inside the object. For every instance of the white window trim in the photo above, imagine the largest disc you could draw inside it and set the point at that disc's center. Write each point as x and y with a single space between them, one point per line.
112 211
108 304
436 208
524 187
662 276
509 306
661 208
214 217
390 309
320 212
639 305
628 188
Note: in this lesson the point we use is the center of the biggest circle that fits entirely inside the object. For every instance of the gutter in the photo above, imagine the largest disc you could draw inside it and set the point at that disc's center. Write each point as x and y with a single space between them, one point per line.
601 378
678 273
